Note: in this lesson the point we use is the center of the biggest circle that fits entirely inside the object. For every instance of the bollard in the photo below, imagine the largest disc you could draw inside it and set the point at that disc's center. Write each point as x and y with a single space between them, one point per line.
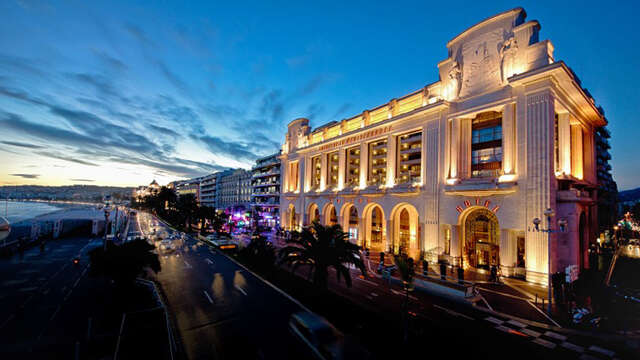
460 275
443 271
425 267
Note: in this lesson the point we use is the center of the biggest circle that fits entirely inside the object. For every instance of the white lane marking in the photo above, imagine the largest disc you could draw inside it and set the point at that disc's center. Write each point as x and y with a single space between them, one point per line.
208 297
241 290
374 294
187 264
545 343
516 323
494 320
600 350
208 261
503 328
573 347
454 313
55 312
403 294
556 336
367 281
531 333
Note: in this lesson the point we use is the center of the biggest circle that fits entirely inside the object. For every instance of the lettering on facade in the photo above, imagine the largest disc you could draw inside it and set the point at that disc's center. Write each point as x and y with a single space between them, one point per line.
487 204
356 138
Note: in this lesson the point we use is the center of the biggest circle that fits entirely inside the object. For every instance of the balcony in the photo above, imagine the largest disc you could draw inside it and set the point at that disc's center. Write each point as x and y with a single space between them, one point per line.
484 186
263 174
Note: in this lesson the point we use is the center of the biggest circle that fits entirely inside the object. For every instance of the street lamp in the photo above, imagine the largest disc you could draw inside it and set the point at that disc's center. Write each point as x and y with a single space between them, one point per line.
106 224
562 223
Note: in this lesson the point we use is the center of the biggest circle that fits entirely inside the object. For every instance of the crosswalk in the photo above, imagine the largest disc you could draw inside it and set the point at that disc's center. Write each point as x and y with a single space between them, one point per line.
551 340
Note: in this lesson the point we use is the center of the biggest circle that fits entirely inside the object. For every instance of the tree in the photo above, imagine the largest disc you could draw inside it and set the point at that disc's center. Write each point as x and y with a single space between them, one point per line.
320 247
260 253
187 205
123 263
407 271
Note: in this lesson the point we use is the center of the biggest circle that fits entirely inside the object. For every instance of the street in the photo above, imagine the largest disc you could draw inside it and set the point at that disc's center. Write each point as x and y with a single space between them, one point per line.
220 310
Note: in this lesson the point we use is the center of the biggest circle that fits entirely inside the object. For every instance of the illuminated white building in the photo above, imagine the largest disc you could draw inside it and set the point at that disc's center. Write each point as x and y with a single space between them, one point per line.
458 170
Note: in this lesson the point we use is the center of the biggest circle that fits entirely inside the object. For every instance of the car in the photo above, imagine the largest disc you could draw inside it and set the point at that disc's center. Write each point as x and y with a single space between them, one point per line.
166 245
318 335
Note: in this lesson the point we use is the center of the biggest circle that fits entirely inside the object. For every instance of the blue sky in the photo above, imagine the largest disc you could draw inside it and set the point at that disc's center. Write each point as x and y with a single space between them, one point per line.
121 92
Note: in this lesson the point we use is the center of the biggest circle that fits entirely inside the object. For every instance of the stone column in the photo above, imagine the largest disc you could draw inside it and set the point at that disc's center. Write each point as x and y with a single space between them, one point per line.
302 171
577 164
364 164
456 241
454 145
323 172
540 183
507 251
564 144
391 160
508 139
341 167
464 149
423 156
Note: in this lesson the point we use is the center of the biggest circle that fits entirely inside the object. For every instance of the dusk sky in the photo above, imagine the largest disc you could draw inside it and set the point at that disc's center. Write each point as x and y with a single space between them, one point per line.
123 92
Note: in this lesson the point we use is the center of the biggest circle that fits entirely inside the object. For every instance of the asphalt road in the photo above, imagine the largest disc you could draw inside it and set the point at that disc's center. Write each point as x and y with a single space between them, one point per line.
222 311
40 314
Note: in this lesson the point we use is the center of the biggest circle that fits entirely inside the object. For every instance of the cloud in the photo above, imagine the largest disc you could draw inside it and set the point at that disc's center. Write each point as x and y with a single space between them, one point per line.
164 131
341 110
173 78
82 180
21 144
26 176
109 60
65 158
139 34
232 149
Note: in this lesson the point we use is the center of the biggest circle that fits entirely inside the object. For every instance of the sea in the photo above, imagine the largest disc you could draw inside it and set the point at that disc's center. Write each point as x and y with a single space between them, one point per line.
16 211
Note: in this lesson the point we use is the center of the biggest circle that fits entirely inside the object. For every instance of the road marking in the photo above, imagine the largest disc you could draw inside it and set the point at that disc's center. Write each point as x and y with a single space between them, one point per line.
454 313
403 294
544 314
516 323
531 333
367 281
602 351
56 312
556 336
208 297
187 264
374 294
545 343
208 261
241 290
573 347
494 320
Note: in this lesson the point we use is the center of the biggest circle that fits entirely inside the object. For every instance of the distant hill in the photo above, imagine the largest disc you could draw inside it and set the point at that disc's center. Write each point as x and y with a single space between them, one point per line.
632 195
68 192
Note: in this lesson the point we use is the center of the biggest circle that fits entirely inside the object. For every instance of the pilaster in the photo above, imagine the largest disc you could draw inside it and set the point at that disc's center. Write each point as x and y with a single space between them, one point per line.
508 139
564 144
391 160
540 188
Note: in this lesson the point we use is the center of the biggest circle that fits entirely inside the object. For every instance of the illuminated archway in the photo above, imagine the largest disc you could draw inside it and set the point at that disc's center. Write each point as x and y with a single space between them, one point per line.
350 222
405 232
330 215
480 237
293 218
313 213
375 228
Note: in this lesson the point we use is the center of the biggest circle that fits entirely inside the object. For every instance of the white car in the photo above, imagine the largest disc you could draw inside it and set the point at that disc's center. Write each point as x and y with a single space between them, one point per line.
166 245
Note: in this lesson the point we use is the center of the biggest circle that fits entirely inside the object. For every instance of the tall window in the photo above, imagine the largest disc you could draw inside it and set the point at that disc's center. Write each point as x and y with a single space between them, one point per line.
408 160
333 168
293 176
377 162
486 144
352 169
316 171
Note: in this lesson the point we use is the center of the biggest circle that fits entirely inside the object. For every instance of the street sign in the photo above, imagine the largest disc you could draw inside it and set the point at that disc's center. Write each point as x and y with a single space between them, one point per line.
571 273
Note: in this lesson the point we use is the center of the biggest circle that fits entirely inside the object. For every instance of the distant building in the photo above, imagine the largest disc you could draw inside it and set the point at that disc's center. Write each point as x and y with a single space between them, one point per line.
233 190
265 196
607 187
208 190
190 186
143 191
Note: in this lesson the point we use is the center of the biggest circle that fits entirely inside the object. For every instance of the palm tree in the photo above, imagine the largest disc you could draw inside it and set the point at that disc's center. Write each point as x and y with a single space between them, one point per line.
320 247
407 271
187 205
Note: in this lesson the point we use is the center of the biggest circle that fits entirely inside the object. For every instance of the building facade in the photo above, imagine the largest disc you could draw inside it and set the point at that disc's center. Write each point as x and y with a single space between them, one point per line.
208 190
458 170
233 189
607 187
265 196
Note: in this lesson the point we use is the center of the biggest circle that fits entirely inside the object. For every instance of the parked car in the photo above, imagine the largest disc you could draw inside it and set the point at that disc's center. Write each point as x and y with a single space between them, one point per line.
318 335
166 245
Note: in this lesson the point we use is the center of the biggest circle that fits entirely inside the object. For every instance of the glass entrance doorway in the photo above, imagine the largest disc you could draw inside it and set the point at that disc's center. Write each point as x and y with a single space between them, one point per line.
481 239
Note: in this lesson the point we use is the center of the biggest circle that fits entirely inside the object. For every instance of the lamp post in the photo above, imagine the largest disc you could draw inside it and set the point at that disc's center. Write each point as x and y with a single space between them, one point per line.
106 227
549 213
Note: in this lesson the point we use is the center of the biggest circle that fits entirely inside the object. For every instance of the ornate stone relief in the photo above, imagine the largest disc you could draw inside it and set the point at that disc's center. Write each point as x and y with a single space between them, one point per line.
508 57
